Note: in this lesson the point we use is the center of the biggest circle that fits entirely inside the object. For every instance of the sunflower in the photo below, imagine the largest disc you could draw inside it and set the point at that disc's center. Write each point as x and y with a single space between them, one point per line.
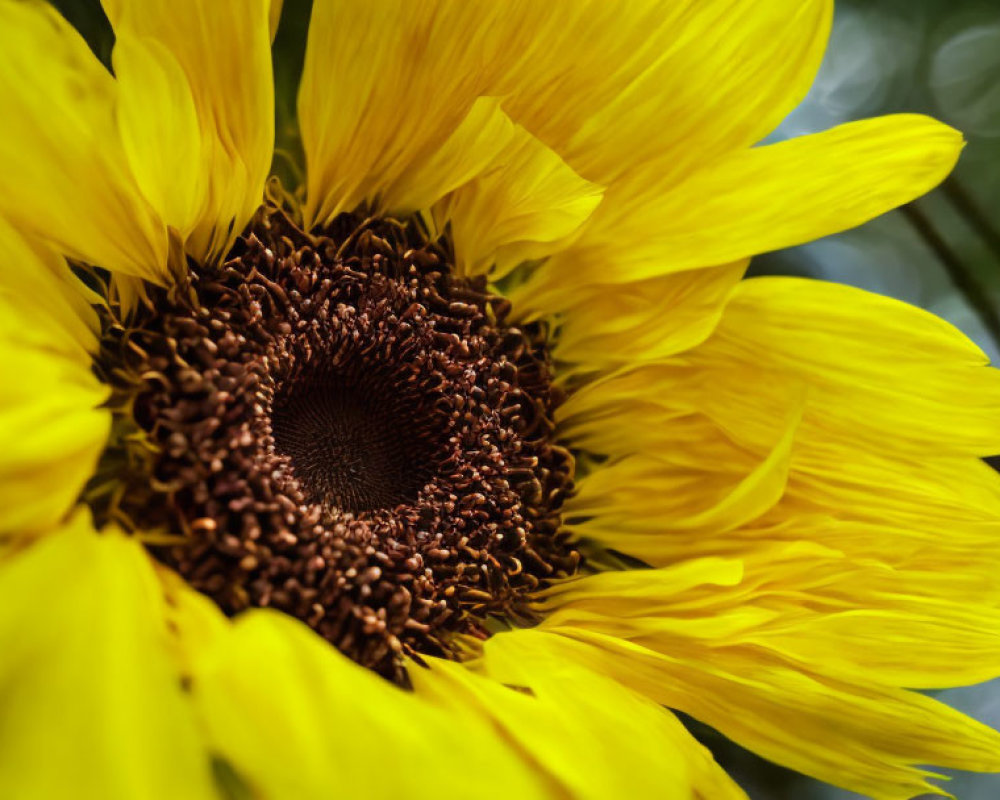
459 467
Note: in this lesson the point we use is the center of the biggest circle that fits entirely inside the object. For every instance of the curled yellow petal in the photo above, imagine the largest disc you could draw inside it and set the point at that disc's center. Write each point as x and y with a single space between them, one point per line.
525 205
602 327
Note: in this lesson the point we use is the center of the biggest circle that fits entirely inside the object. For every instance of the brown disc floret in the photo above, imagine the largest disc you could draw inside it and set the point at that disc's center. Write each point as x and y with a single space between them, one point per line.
347 431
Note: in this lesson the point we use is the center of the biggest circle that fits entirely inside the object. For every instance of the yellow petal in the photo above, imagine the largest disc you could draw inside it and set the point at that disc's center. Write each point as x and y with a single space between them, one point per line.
295 718
880 375
604 327
685 480
64 176
212 60
159 130
506 196
523 207
479 140
760 199
92 703
874 569
195 620
384 85
54 433
274 16
50 417
929 513
51 305
813 606
671 83
862 736
652 78
896 404
595 738
667 495
919 511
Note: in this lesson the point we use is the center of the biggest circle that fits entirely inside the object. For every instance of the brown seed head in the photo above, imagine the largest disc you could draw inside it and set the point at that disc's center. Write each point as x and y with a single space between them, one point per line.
346 431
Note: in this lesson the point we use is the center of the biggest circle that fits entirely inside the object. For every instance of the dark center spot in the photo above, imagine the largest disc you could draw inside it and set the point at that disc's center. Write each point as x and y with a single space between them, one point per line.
357 443
342 429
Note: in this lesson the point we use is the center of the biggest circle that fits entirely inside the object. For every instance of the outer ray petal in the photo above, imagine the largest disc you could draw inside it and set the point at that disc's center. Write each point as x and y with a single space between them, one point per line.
667 494
282 726
38 284
678 83
899 587
927 514
305 719
92 704
933 514
208 67
853 336
384 85
781 333
813 606
604 327
843 341
597 739
864 737
50 418
159 128
478 141
413 74
274 16
755 200
64 176
882 464
54 432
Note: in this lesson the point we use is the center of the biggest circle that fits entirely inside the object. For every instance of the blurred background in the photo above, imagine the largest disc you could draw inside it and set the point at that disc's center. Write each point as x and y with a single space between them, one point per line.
939 57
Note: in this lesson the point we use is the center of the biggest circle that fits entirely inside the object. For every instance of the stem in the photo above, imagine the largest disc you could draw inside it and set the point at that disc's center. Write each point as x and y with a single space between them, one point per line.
966 206
963 279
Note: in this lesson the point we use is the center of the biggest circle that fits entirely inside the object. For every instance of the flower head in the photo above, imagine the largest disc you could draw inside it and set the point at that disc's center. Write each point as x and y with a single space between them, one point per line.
459 467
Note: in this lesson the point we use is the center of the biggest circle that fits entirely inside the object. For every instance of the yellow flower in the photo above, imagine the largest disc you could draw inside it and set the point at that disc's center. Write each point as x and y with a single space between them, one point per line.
485 407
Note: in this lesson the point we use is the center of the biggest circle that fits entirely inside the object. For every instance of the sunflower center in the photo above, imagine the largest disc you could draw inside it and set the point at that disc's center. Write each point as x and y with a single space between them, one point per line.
345 430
